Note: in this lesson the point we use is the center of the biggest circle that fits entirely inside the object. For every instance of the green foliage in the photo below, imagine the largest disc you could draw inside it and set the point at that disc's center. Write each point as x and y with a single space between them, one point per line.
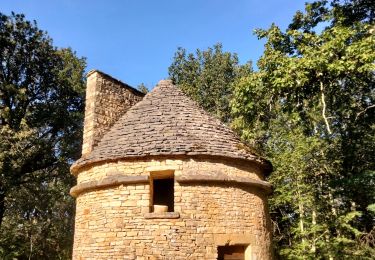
41 105
310 109
142 88
207 77
39 222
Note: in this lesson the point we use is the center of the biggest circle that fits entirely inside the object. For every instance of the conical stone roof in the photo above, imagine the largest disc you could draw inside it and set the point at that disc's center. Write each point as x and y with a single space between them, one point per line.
168 123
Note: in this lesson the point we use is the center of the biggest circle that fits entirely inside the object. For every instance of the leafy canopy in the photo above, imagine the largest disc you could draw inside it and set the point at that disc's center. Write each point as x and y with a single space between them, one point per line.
41 104
310 109
207 77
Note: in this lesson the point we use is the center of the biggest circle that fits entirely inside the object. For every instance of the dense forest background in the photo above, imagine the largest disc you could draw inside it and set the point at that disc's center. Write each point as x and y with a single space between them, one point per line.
308 106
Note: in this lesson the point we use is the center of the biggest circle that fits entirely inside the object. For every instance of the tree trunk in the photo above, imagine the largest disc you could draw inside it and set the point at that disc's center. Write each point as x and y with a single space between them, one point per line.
2 206
313 246
301 226
324 107
301 214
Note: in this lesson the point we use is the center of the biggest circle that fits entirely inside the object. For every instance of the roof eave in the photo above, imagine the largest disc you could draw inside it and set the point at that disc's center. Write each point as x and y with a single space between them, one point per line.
83 163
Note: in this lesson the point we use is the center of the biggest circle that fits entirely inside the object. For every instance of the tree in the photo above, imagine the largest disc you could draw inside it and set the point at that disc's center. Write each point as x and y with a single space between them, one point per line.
41 112
142 88
310 109
207 77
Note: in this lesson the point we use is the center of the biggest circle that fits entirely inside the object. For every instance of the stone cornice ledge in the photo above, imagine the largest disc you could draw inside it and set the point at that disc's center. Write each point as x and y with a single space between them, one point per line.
162 215
114 180
199 178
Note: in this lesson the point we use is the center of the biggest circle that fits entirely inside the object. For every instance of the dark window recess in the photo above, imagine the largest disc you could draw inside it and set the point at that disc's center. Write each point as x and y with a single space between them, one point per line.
164 193
231 252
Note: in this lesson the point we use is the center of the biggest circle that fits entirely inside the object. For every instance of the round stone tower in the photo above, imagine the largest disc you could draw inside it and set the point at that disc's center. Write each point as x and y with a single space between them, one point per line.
160 178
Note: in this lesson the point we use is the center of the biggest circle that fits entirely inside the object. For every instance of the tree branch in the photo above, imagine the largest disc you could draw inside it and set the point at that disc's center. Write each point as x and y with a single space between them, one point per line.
363 111
324 107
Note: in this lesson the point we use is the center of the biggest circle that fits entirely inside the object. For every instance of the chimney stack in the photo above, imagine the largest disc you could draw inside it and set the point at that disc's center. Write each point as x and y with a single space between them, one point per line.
107 99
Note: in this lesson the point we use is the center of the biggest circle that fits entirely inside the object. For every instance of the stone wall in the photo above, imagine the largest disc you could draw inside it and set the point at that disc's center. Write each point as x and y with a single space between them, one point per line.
112 223
106 100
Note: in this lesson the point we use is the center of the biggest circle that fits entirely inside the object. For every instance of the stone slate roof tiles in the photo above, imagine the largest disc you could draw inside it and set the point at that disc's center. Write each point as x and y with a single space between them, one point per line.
167 122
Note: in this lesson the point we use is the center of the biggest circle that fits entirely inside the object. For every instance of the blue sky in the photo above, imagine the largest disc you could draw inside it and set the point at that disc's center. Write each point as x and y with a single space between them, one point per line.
134 41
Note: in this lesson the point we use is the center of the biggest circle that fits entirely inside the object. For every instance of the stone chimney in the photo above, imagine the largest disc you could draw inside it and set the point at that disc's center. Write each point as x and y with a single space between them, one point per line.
107 99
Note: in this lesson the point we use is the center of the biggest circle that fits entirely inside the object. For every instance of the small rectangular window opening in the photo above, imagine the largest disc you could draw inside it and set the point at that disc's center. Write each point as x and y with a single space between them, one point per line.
162 191
235 252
